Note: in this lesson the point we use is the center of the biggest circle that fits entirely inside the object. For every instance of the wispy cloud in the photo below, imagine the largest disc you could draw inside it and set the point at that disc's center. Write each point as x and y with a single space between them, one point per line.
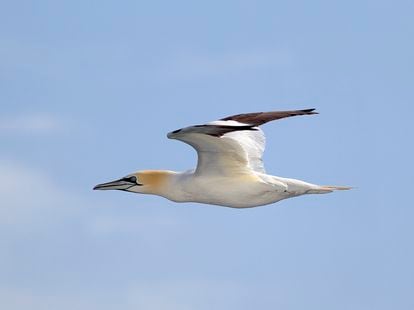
192 64
107 225
186 62
185 294
29 124
32 199
19 299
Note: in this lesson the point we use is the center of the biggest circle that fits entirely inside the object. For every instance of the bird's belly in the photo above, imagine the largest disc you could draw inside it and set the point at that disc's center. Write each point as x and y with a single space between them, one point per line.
241 201
245 194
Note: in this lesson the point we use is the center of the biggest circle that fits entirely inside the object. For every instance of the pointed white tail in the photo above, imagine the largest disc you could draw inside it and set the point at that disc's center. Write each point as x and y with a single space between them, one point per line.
328 189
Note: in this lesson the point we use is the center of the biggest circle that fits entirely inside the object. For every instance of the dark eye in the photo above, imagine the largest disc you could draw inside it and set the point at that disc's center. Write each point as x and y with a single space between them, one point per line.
132 179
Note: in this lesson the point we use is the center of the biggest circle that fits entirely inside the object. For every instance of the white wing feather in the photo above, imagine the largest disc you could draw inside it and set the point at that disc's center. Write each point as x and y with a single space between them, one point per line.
234 152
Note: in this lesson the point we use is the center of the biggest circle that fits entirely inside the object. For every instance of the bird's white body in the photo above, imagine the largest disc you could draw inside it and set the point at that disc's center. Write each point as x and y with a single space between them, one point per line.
230 170
242 191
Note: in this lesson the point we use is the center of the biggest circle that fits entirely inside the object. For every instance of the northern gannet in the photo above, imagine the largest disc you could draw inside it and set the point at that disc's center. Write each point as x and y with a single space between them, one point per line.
229 170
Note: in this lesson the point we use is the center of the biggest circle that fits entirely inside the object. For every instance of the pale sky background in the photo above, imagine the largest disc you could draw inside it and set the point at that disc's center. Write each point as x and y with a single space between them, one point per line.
88 91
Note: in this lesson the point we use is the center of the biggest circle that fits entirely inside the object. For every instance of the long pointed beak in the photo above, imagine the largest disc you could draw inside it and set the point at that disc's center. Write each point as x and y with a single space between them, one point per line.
120 184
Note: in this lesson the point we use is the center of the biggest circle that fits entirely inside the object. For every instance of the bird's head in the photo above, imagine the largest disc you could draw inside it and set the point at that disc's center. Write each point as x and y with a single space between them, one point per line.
145 182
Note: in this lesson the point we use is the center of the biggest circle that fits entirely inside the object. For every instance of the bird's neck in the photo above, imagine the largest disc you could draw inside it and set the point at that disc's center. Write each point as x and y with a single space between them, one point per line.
156 182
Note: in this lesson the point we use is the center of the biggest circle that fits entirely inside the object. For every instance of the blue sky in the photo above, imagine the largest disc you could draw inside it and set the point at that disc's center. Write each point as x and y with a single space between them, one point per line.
88 91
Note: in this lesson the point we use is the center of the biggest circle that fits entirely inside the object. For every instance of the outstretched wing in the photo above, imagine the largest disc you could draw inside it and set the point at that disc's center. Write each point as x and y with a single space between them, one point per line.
260 118
232 145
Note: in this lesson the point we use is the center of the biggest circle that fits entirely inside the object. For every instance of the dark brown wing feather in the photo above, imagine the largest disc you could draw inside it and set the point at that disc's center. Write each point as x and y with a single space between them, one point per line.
261 118
219 130
212 130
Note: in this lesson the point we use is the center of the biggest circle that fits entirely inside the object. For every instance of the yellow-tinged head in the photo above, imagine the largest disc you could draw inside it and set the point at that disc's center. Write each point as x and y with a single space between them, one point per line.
145 182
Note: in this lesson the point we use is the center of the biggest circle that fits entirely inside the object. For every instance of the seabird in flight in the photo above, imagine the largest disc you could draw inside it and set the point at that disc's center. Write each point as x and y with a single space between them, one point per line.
229 170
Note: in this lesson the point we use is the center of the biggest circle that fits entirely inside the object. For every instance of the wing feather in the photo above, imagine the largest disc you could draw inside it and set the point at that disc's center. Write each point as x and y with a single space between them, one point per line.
260 118
236 151
234 144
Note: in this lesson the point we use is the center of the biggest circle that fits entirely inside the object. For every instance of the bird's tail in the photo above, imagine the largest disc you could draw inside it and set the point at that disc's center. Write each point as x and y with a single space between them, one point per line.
324 189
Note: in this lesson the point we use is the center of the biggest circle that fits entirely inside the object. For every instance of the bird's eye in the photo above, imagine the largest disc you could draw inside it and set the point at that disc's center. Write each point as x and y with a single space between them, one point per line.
132 179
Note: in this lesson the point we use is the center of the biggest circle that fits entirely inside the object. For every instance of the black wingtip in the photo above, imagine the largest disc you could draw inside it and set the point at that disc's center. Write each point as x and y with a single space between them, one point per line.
310 111
301 112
